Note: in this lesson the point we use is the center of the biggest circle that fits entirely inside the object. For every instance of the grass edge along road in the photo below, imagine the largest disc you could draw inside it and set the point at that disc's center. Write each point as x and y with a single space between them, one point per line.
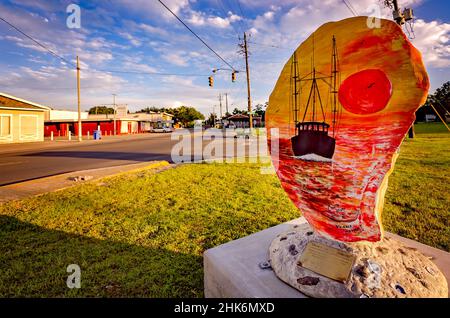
142 234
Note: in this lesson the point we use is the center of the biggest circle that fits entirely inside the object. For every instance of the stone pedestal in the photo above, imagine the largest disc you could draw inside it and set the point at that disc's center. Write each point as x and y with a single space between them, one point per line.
383 269
232 269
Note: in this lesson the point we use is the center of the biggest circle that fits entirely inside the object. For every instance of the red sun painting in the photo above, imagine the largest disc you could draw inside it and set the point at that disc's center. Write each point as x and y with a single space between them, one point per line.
365 92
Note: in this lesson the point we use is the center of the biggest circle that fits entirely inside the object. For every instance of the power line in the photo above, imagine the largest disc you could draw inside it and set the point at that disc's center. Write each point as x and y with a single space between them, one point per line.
148 73
37 42
195 34
106 87
119 71
353 8
241 25
116 71
222 8
240 10
95 70
350 7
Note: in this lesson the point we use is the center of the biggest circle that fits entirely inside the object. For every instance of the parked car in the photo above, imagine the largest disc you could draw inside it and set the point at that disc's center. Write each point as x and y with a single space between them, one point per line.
242 132
162 130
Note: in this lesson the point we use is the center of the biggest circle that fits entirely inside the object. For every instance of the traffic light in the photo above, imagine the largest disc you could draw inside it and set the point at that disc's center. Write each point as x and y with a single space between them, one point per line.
211 81
233 76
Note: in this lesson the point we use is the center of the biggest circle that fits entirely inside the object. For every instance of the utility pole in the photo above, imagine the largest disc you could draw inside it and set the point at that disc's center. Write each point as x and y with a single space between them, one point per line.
226 103
214 115
397 13
79 104
249 101
400 20
114 105
220 105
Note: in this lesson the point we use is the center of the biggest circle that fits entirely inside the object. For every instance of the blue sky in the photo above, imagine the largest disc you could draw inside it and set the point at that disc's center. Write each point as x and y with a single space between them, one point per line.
141 36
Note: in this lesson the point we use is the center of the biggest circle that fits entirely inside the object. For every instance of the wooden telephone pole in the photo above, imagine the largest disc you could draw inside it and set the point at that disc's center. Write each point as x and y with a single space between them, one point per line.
400 20
79 104
114 105
220 105
226 103
249 101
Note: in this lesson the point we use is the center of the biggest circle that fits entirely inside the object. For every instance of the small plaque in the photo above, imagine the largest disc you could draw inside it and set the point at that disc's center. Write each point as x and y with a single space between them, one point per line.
327 261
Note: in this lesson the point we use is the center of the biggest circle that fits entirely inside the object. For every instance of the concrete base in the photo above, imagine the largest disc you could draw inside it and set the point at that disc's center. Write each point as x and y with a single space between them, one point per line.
232 270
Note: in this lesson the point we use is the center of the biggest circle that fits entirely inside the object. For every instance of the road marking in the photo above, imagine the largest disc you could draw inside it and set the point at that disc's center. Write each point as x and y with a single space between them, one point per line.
10 163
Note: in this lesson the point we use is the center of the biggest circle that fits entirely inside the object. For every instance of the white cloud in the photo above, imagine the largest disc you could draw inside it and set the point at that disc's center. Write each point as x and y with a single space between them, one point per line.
150 6
432 39
294 25
152 29
153 9
158 43
96 58
201 19
134 63
176 59
253 30
269 15
133 40
219 22
56 86
197 19
233 17
24 43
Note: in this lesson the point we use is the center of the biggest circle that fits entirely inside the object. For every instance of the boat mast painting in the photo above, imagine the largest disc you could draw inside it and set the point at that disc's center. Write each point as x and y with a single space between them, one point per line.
312 140
342 105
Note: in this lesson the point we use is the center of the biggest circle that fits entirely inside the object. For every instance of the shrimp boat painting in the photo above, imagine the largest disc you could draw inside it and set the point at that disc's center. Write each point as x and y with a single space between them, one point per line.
312 140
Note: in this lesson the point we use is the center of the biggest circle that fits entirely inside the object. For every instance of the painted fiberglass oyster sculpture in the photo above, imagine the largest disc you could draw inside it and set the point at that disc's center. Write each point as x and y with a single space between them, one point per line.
342 106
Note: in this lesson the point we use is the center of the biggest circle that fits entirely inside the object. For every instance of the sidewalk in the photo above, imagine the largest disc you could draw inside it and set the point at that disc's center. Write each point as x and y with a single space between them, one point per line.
25 189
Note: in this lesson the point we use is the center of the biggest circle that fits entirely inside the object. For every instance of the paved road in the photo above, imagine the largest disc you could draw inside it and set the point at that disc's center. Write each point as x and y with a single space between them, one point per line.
28 162
41 160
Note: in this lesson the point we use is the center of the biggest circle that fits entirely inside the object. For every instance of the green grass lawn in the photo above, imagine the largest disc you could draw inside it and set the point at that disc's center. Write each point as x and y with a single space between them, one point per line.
143 234
418 197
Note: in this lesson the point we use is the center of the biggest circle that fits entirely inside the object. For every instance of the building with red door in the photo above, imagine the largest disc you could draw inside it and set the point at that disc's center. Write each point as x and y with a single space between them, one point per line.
63 122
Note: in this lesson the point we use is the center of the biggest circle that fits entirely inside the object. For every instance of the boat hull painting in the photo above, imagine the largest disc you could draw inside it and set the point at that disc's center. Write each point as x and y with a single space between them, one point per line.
313 142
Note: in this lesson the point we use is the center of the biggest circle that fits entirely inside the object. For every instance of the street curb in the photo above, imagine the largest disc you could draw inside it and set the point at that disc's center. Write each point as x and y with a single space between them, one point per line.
37 187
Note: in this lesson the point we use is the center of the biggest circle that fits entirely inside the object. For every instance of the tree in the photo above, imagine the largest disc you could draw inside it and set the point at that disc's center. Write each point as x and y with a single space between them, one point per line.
183 114
211 119
260 110
440 100
388 3
238 111
148 110
441 96
186 115
101 110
